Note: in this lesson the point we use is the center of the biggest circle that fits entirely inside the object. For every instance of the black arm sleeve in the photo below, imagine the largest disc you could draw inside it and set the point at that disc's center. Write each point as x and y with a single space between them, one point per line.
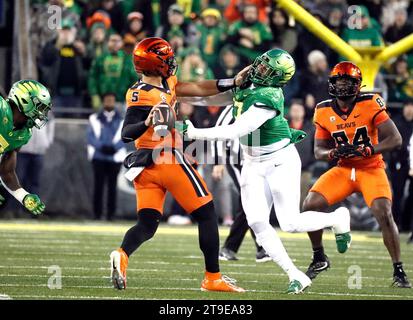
134 124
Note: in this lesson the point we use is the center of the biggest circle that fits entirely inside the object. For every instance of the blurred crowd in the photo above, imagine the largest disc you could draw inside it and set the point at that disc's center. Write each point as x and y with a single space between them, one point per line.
89 55
88 59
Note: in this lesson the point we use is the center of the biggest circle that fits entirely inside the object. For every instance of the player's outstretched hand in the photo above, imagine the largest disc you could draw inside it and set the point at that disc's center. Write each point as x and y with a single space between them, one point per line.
33 203
241 76
184 127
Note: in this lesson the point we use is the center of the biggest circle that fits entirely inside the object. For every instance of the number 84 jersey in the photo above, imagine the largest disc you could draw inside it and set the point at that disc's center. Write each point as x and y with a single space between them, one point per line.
357 126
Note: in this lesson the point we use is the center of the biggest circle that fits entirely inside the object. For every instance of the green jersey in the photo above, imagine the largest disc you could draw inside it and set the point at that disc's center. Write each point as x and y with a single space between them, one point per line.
274 129
11 139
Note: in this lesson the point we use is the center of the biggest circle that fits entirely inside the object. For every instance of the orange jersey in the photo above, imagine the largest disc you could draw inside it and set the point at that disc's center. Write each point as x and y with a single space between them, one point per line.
143 95
356 126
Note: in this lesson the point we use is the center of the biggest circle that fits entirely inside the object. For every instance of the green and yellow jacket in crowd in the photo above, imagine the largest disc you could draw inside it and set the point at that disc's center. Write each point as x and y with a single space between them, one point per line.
111 72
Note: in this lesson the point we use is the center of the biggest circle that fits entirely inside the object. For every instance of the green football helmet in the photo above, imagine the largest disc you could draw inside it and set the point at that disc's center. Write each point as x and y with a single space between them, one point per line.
274 68
33 100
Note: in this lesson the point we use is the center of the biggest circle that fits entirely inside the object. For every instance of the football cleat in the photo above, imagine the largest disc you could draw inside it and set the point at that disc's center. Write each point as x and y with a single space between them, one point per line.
218 282
118 265
262 256
342 230
299 283
316 267
401 281
227 255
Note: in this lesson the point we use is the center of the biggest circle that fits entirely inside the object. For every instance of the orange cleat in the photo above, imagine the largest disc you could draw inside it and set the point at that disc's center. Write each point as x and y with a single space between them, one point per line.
118 264
218 282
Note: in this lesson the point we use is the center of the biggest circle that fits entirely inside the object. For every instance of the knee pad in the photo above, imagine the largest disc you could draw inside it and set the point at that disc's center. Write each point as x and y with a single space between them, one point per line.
204 213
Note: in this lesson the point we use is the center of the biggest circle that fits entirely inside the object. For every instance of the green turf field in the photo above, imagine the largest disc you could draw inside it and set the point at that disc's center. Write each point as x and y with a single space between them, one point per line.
171 266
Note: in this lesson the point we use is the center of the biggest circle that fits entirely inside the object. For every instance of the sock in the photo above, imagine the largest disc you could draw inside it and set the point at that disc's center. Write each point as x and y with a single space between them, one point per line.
268 238
398 269
208 235
212 276
144 229
318 254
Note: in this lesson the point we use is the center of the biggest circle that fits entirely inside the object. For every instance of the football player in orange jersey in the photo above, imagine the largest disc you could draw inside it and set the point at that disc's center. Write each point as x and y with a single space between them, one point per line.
348 128
166 167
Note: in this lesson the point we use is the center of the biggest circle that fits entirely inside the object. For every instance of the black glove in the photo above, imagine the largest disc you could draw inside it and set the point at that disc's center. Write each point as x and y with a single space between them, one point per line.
344 150
108 149
347 150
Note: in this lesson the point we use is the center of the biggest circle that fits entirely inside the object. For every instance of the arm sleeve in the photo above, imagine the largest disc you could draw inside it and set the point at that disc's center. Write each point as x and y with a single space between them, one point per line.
134 124
249 121
220 99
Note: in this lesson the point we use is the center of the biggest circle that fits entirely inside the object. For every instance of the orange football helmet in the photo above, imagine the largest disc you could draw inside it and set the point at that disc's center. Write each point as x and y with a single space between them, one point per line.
154 57
350 87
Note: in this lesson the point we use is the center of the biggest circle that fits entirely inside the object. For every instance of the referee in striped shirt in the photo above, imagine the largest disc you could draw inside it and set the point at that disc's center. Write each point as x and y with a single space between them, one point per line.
227 154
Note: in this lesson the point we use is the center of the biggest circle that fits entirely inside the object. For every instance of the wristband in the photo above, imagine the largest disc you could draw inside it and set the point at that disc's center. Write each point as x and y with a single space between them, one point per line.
19 194
225 84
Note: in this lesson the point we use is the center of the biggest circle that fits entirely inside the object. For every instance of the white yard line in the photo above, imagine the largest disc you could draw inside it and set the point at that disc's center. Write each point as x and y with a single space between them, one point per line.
181 289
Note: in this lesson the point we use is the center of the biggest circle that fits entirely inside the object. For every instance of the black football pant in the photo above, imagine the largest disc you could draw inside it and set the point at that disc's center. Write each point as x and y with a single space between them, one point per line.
240 226
106 175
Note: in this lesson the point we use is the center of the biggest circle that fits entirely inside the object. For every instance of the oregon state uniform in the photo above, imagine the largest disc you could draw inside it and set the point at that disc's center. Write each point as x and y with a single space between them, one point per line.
357 126
171 171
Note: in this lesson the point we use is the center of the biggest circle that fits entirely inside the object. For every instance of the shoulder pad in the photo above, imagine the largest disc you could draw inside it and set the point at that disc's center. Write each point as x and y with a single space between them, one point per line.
324 104
365 97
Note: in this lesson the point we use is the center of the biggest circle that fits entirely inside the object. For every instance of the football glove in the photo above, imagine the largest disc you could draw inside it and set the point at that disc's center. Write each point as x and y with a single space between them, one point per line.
33 203
182 126
364 151
347 150
344 150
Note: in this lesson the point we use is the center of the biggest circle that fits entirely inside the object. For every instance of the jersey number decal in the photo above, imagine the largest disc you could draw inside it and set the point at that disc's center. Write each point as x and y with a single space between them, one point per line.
3 144
237 108
380 102
361 137
135 96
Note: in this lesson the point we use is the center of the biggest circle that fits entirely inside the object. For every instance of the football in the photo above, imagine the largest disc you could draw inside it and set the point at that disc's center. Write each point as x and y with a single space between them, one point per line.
163 119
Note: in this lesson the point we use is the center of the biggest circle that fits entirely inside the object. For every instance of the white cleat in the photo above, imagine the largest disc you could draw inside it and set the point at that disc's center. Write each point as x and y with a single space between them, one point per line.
299 283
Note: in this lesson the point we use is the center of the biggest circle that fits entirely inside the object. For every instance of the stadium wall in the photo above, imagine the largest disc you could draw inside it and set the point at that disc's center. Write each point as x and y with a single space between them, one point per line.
67 177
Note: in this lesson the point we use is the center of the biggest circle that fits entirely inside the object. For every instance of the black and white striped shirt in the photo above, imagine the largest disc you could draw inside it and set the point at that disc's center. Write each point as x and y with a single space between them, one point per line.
227 151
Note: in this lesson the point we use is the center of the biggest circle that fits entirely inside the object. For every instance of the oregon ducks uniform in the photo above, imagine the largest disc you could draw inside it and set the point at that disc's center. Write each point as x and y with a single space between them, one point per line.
11 139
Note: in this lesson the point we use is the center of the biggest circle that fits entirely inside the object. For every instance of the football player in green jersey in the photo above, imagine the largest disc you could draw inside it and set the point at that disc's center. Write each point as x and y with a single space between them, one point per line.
26 107
272 167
